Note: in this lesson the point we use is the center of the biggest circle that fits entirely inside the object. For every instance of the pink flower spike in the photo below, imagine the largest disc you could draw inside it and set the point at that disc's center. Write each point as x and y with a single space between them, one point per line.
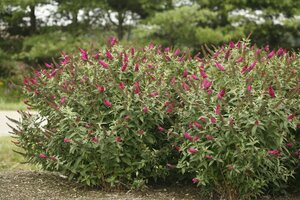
127 117
227 55
251 66
209 137
192 150
188 136
201 67
96 56
185 73
145 109
271 92
274 152
291 117
206 84
151 45
173 80
196 138
270 55
208 157
95 139
203 74
267 48
218 108
112 41
202 119
185 86
100 89
125 58
198 125
104 64
124 66
118 139
295 154
136 67
63 100
219 66
42 155
84 55
122 86
48 65
109 55
195 180
132 51
195 77
213 120
258 51
153 94
216 55
241 59
280 52
176 53
151 66
244 69
67 140
178 148
221 94
231 45
209 92
161 129
107 103
66 59
289 145
136 88
249 88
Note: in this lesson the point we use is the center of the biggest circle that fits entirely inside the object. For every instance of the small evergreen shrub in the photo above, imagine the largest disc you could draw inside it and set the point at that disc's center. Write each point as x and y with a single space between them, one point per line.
124 116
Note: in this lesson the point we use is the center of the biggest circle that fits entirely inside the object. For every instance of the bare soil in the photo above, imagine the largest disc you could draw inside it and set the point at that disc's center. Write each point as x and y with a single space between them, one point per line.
36 185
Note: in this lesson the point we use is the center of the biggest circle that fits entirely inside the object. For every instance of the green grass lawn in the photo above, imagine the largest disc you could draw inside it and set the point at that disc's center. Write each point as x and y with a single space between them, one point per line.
12 105
9 160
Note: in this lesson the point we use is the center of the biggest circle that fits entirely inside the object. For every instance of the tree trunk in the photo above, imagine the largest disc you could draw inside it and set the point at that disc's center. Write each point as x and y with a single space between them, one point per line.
32 19
74 18
120 27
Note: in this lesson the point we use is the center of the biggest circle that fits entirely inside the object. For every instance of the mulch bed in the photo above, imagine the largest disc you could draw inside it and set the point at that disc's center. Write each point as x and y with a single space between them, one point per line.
49 186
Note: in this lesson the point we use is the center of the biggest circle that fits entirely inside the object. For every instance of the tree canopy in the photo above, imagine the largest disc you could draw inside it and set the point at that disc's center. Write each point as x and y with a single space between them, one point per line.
28 38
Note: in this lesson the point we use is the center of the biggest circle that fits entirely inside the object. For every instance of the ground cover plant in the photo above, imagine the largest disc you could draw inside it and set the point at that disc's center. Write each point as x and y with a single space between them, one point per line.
121 117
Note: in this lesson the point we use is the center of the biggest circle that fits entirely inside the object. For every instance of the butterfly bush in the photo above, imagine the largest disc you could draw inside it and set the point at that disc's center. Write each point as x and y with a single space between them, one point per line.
114 116
237 124
103 116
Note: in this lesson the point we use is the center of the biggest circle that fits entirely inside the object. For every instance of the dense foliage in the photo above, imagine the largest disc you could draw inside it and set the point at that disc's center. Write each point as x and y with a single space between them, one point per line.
34 31
123 116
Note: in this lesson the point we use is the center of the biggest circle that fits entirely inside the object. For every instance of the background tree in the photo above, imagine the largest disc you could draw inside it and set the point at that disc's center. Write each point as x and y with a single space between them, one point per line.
131 10
15 12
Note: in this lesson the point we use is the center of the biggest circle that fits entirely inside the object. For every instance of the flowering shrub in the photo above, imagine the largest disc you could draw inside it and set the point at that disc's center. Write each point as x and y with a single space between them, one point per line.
103 116
121 117
237 122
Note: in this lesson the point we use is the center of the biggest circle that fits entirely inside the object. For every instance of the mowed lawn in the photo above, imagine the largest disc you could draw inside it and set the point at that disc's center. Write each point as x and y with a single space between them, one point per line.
9 160
12 105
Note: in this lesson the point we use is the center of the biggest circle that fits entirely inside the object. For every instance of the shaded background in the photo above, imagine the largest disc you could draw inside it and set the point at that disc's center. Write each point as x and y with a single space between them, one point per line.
33 32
